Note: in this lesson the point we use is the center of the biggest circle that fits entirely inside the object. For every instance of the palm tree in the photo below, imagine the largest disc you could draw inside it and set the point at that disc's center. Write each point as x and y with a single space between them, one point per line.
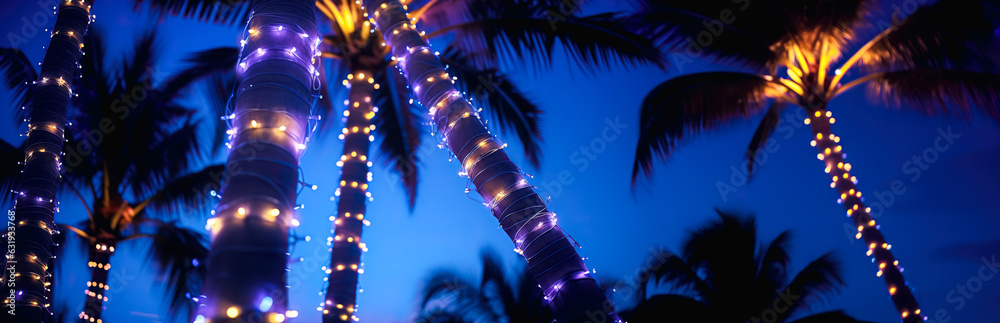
480 27
130 156
277 77
916 63
450 297
35 206
572 293
722 276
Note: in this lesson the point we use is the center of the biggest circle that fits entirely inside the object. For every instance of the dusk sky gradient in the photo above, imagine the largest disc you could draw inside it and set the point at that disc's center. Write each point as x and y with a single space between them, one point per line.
941 227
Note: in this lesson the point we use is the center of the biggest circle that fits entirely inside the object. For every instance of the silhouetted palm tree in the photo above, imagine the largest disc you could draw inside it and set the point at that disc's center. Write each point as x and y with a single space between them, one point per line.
484 32
130 155
723 275
48 94
451 297
918 63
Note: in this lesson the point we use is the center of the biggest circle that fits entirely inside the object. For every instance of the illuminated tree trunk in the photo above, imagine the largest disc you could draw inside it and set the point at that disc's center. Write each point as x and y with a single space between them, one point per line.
97 287
36 204
277 76
888 267
347 246
573 294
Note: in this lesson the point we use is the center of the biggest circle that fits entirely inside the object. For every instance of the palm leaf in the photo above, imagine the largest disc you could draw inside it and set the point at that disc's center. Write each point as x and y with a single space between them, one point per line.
448 292
19 74
218 90
939 91
689 104
187 192
10 176
140 64
772 271
725 252
531 305
399 120
923 41
678 308
671 269
162 159
764 130
675 26
497 94
229 12
819 279
221 60
524 31
177 252
830 316
494 282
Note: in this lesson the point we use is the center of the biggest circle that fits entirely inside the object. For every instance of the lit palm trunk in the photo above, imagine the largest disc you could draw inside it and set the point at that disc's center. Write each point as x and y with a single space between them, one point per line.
100 263
277 74
345 259
36 199
848 195
565 281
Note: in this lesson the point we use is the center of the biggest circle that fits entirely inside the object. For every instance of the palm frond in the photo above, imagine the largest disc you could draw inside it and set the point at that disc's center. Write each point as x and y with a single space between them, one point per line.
524 31
939 91
725 251
139 64
229 12
763 133
448 292
162 159
678 308
818 280
772 270
829 316
10 176
18 74
689 104
531 305
670 268
218 89
494 92
923 41
400 121
215 61
442 316
831 20
746 38
494 282
177 252
188 192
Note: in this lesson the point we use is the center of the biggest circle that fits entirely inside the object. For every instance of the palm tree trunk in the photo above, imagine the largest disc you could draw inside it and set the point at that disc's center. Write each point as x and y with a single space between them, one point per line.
573 294
36 204
888 267
345 258
277 76
97 287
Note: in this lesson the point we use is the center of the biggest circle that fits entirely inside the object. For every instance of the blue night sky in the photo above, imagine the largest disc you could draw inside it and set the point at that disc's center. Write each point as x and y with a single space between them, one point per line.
941 226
